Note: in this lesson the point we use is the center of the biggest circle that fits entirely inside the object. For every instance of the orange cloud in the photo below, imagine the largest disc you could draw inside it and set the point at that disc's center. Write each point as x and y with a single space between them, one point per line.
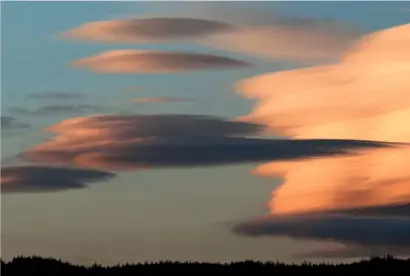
272 36
143 30
371 178
364 96
150 61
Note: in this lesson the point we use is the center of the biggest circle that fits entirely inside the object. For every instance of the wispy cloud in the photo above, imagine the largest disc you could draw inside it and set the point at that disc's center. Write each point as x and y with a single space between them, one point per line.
150 61
160 100
56 109
52 95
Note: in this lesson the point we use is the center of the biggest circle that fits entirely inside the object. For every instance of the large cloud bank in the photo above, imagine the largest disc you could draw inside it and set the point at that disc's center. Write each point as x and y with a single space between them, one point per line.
364 96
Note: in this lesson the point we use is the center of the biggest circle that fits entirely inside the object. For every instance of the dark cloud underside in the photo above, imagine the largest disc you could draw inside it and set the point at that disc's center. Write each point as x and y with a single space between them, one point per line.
32 179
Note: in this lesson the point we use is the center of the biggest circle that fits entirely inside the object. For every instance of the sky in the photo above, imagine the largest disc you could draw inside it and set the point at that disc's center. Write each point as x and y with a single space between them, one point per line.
144 131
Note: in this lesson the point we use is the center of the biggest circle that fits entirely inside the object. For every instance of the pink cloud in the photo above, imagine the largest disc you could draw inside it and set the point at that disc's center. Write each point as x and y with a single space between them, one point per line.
268 35
150 61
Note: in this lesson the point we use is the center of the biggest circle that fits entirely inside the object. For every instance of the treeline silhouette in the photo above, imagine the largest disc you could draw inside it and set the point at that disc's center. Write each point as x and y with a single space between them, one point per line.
49 266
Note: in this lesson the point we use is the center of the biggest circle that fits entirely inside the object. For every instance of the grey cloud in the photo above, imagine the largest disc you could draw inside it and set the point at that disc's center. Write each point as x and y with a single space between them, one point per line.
150 62
348 230
160 100
55 95
396 210
185 152
55 109
117 142
11 123
33 179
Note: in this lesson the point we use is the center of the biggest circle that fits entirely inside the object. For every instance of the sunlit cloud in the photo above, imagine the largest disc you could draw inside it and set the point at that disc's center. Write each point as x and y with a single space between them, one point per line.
151 61
35 179
371 178
364 96
271 35
160 100
343 101
347 100
300 42
119 142
146 29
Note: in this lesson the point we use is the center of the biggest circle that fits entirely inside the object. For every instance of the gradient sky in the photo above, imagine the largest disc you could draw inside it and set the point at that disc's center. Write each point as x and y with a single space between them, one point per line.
171 213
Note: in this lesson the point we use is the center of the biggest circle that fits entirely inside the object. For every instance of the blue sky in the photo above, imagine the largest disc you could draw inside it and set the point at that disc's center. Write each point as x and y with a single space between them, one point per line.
168 213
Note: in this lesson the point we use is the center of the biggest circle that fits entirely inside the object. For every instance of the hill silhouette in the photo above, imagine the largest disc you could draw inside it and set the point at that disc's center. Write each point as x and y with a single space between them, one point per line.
49 266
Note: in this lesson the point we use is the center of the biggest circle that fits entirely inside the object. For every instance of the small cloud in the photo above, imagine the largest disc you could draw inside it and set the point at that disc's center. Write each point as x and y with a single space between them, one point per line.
160 100
150 62
55 109
50 95
33 179
11 123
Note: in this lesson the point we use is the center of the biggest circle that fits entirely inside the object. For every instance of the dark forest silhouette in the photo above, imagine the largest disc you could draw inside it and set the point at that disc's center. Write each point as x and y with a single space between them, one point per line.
49 266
